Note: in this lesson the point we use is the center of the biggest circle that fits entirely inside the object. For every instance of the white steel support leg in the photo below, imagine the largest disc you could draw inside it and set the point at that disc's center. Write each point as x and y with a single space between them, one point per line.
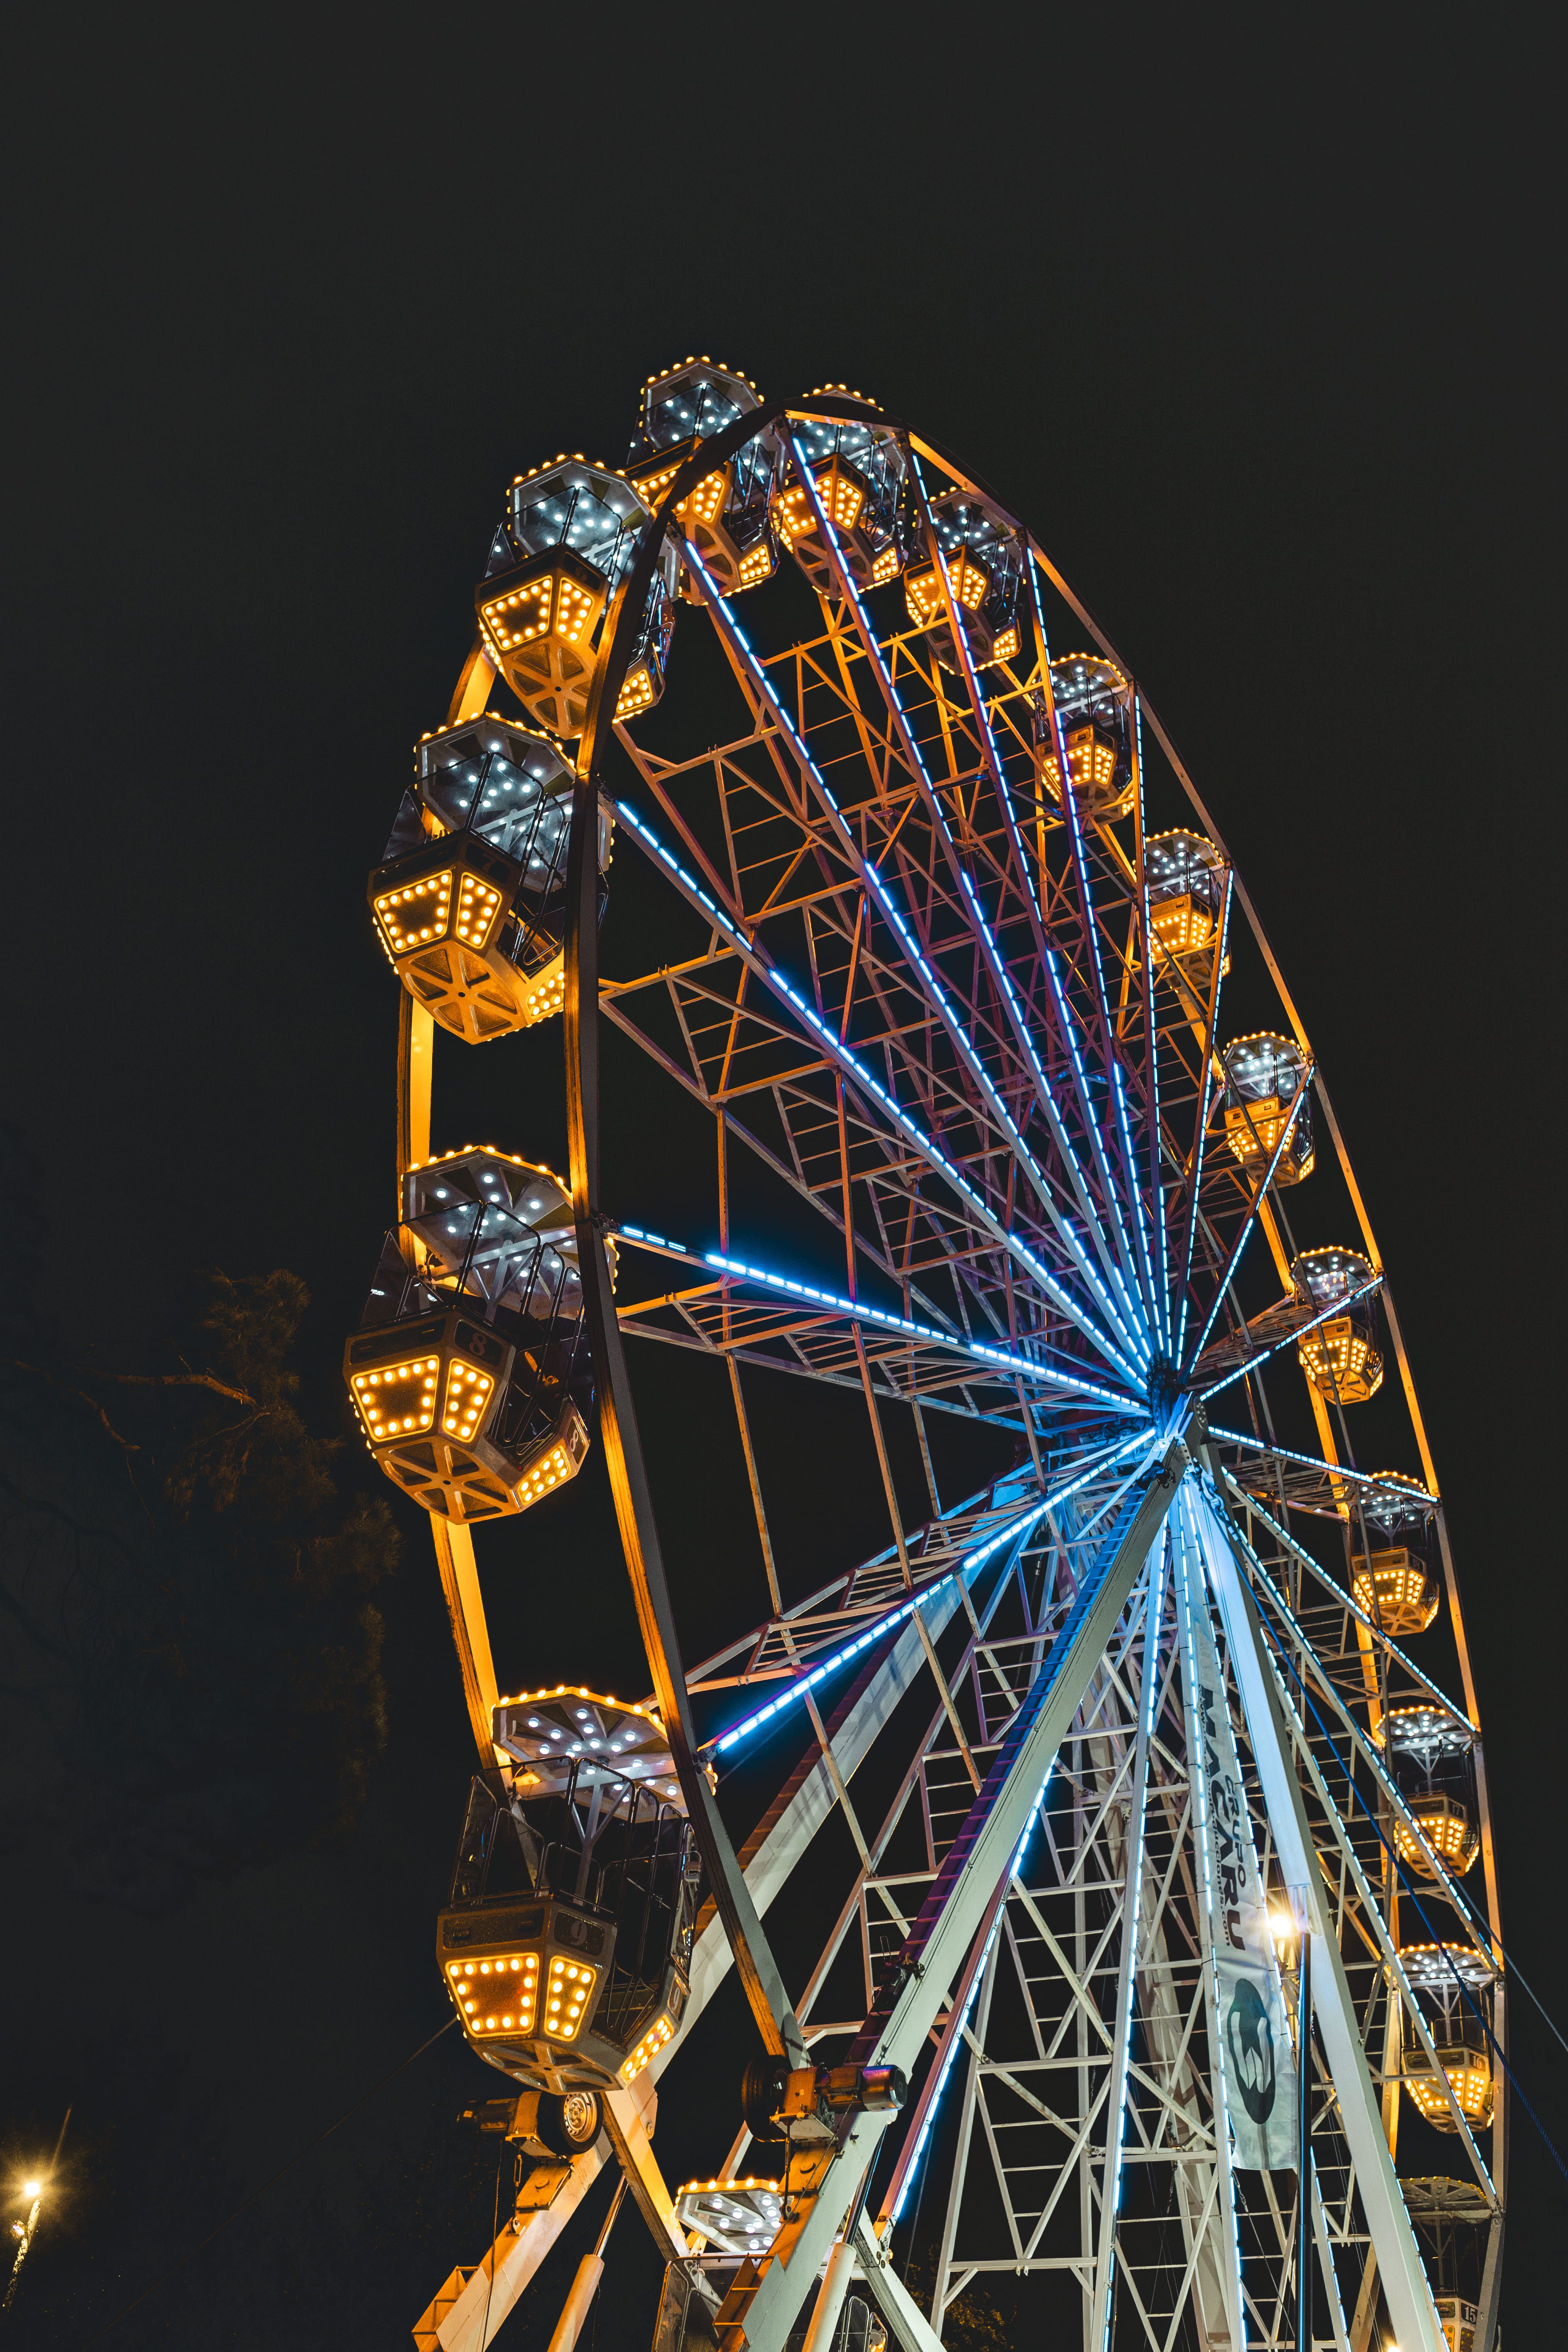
1110 2188
1399 2261
984 1851
1190 1595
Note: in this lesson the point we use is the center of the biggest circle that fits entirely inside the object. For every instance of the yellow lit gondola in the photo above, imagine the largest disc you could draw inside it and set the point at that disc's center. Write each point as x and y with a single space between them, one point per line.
1265 1075
566 1942
1466 2065
1337 1354
728 517
470 1372
984 561
859 474
567 543
1447 1828
1093 705
468 902
1185 876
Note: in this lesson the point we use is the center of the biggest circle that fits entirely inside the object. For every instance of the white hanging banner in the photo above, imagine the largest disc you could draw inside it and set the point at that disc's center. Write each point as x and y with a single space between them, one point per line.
1259 2065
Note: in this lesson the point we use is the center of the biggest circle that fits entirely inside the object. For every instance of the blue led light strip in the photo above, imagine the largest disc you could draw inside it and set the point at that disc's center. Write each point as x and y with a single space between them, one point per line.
956 2040
737 1732
851 1062
1336 1306
1069 810
1069 1032
1013 1867
912 2166
1058 1129
862 1313
954 1026
1018 850
1209 1059
961 642
1155 1300
1251 1218
993 954
1330 1469
858 1310
965 1567
1016 1529
978 701
1252 1504
1156 1167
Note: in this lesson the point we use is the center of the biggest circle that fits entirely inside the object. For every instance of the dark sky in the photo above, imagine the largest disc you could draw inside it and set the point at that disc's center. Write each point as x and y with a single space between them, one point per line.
1245 314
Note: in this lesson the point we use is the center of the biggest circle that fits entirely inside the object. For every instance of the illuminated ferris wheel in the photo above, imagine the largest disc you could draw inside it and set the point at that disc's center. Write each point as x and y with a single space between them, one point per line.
1135 1796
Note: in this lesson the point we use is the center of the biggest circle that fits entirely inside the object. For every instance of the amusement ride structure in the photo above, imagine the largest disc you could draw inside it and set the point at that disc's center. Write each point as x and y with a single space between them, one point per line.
1140 1790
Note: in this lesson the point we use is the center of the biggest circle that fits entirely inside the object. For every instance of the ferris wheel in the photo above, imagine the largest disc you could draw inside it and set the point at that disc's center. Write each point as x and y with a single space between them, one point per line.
1140 1789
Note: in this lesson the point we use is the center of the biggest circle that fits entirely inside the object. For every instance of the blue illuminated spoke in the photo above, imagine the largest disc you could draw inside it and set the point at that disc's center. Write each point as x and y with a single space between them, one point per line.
1129 1170
932 800
1287 1128
1202 1135
1152 1049
1014 1532
909 1131
1125 1327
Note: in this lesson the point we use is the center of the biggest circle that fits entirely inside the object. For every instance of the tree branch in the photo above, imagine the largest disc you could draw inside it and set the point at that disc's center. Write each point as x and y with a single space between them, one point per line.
55 1381
169 1380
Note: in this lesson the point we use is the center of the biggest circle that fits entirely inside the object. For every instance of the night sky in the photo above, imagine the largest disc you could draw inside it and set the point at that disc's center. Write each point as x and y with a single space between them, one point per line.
1248 324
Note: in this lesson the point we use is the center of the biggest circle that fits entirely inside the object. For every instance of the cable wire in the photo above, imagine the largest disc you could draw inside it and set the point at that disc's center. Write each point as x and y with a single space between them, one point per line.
260 2190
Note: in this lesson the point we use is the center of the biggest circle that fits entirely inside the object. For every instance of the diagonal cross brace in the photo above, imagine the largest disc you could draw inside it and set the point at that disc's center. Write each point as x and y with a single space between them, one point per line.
761 2308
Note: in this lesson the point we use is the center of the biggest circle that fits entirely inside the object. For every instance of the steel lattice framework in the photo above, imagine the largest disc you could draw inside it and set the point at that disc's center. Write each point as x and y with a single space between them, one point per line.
914 977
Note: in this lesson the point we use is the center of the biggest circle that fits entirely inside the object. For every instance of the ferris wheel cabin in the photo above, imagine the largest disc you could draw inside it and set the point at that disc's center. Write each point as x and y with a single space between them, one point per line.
565 1944
1434 1771
1265 1095
469 900
1094 713
1185 877
1453 1982
568 540
1394 1577
1339 1354
985 576
1464 2064
470 1372
728 518
862 478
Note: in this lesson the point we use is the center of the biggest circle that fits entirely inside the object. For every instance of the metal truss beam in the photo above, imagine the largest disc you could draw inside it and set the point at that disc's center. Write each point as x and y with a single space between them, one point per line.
1399 2261
761 2308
